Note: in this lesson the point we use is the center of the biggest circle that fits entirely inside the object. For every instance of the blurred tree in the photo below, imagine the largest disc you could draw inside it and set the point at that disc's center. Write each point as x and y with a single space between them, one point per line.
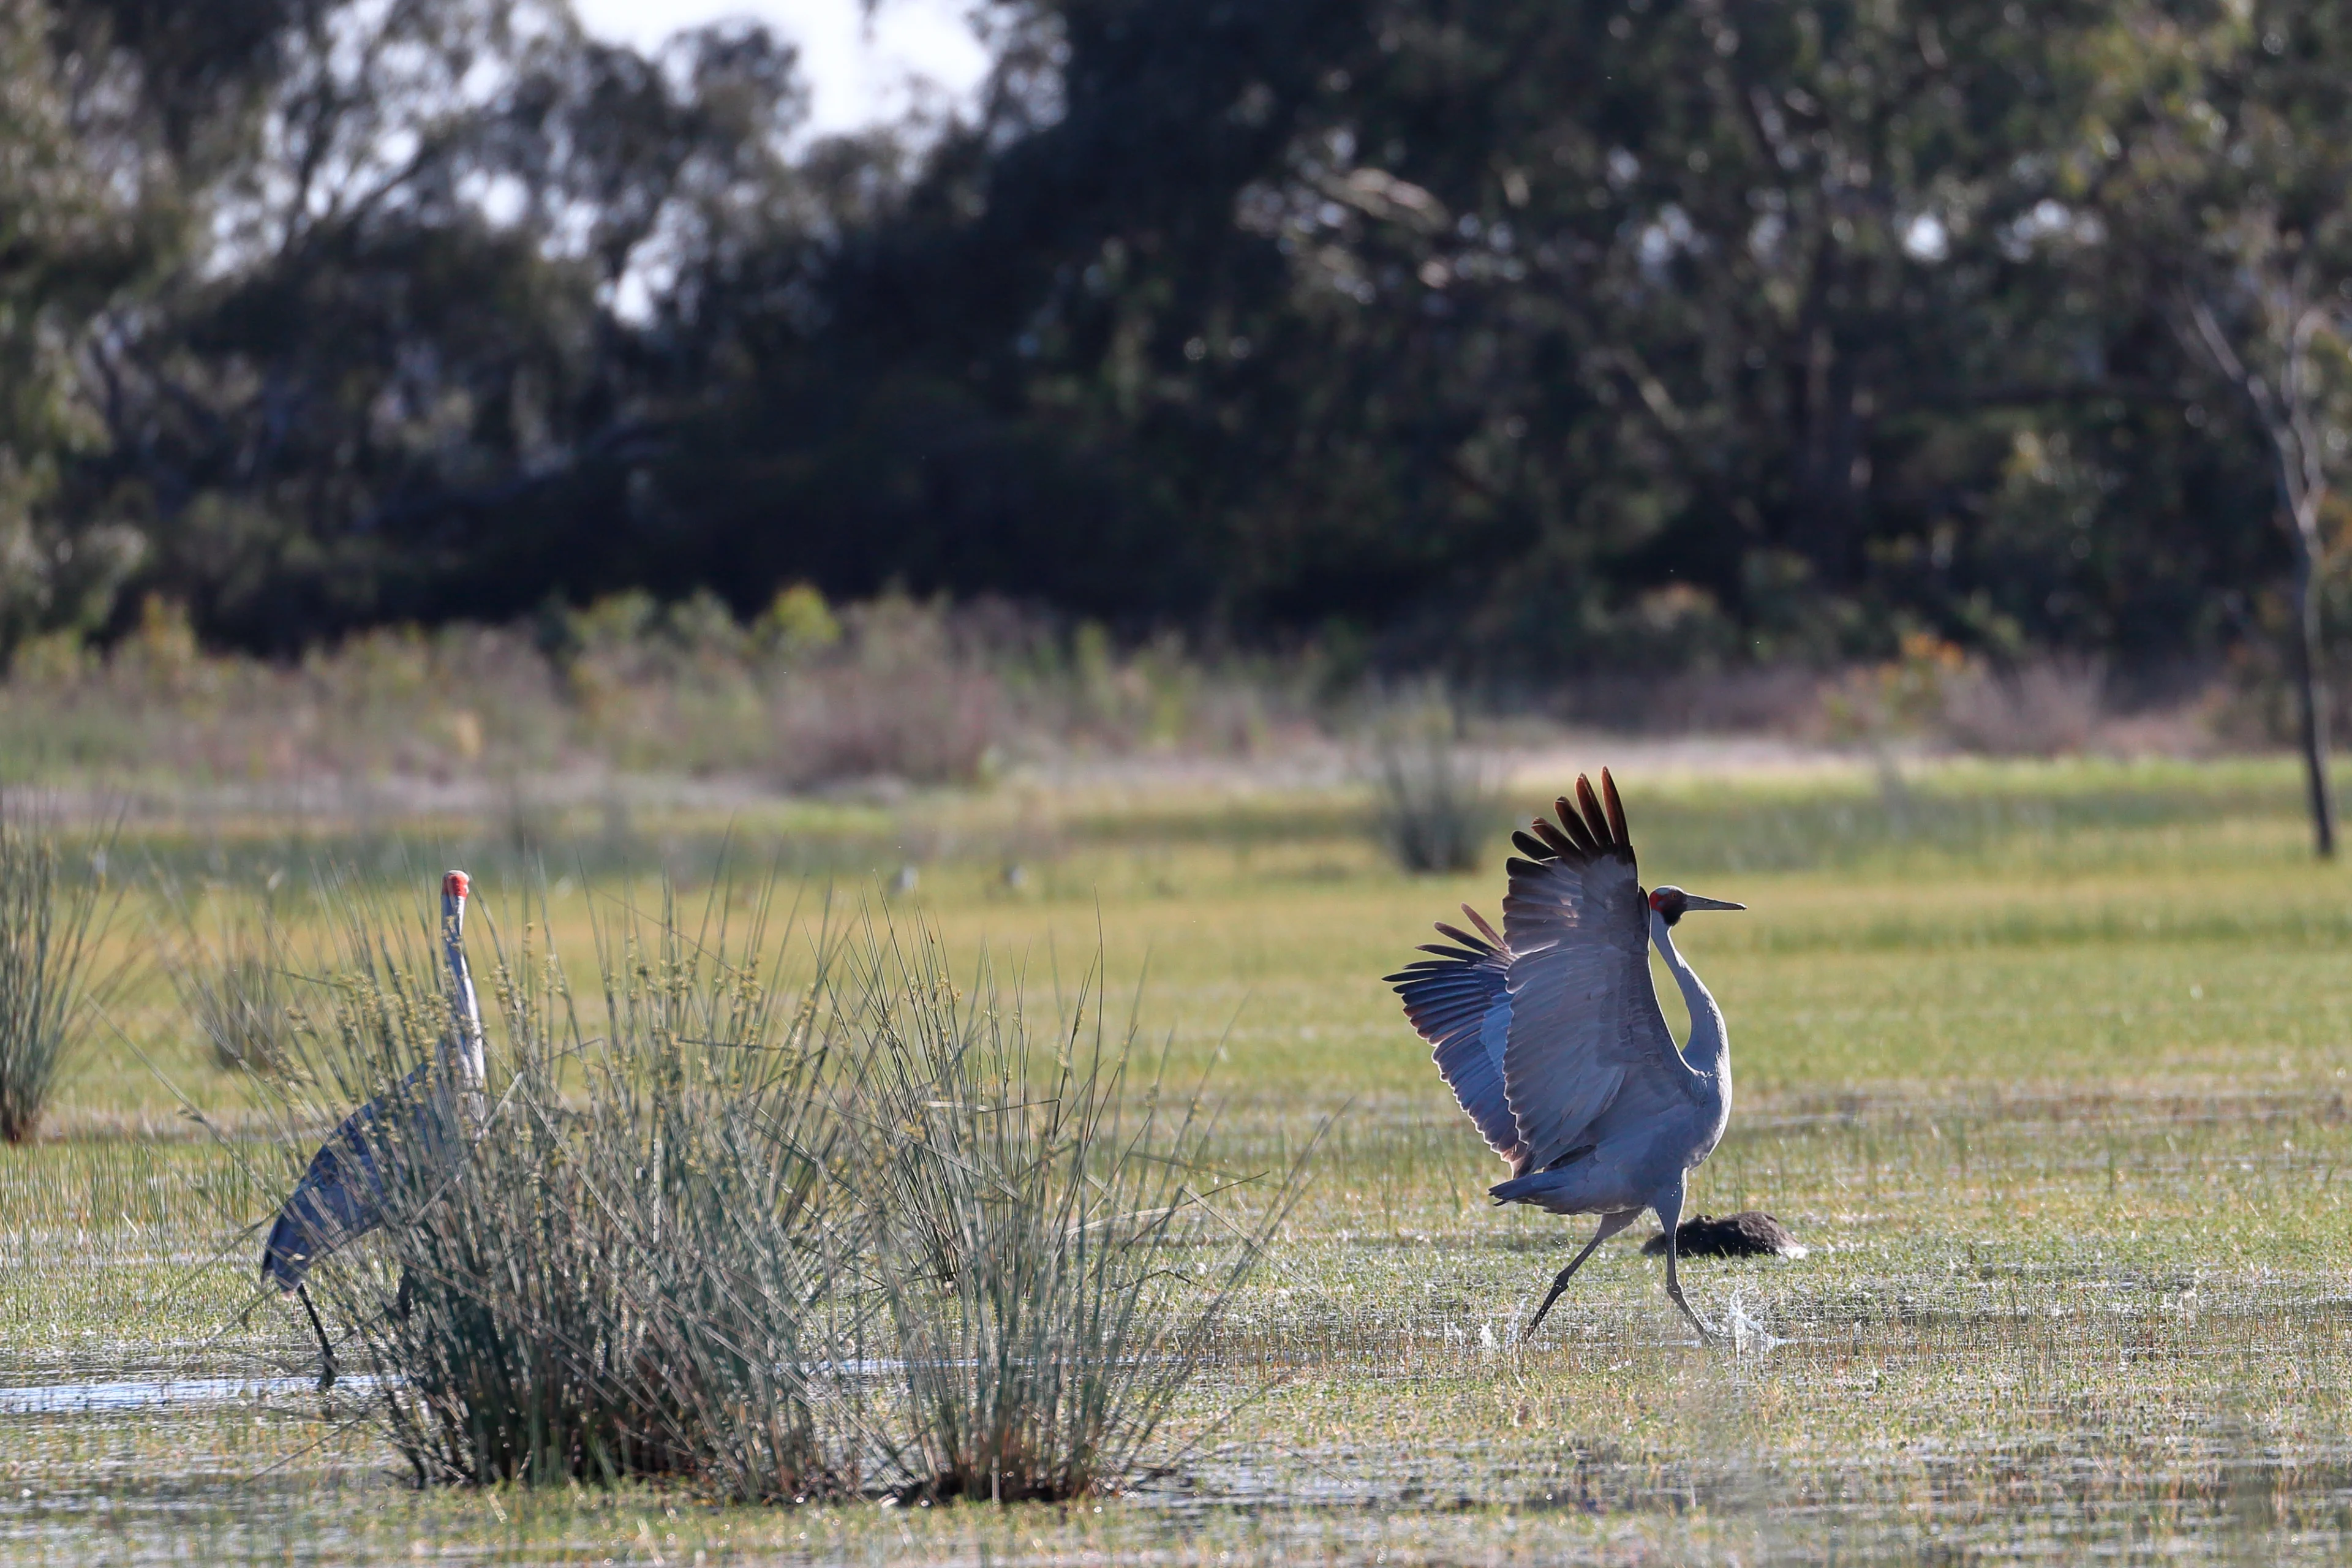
1594 331
406 375
1612 332
2234 175
66 237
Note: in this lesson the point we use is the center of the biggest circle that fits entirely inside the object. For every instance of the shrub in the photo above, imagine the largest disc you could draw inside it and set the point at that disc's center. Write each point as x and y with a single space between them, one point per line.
2043 710
231 975
1434 807
51 923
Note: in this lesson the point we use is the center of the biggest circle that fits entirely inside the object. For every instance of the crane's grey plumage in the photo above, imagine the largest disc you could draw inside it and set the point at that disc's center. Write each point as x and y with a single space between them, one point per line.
423 1125
1550 1035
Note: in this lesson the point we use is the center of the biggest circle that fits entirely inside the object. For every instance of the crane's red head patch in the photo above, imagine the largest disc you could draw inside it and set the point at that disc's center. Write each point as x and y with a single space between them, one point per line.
454 884
1670 902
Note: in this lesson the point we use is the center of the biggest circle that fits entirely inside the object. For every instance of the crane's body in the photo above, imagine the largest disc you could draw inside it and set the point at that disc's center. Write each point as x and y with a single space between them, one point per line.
423 1125
1551 1034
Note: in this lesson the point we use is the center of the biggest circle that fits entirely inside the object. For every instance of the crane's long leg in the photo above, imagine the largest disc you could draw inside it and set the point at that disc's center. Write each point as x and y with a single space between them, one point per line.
1610 1224
1675 1289
326 1350
1669 1205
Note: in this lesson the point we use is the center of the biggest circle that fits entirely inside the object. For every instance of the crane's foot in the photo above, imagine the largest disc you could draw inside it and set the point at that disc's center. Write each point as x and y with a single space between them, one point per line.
1557 1286
1610 1224
1707 1336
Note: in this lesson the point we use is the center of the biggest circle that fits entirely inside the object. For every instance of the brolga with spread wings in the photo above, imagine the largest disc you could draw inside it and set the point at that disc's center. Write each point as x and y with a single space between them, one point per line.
1551 1034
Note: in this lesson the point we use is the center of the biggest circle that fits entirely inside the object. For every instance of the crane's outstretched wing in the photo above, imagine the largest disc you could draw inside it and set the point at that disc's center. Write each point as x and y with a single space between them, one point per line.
1459 1004
1586 1043
341 1195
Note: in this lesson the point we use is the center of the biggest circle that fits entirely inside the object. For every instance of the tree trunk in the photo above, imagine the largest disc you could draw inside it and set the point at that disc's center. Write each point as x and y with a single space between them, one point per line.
2311 702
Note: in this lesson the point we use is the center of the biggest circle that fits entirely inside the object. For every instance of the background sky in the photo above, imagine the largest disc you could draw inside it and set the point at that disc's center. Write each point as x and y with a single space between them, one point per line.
858 71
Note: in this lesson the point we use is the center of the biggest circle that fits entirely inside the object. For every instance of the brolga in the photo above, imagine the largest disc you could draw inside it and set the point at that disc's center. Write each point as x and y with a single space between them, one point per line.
423 1127
1550 1035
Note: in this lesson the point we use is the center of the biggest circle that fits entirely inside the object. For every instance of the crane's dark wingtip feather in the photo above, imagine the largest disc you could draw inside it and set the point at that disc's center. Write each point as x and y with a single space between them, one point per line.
1515 866
1595 820
1560 843
1572 830
1616 809
1479 920
1465 938
1531 846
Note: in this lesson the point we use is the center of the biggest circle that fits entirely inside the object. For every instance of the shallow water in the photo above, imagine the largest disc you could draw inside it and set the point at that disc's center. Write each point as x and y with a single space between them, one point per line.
80 1398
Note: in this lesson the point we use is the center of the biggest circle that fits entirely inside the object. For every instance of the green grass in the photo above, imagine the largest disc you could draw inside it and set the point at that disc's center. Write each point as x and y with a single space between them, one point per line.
2046 1062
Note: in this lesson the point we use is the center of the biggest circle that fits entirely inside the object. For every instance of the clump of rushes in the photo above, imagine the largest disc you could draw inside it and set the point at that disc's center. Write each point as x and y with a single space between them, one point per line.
799 1221
54 909
1434 806
1052 1238
232 977
717 1124
624 1276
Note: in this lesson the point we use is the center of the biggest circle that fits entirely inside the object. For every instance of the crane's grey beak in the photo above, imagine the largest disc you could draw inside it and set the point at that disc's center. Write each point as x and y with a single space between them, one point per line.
1693 902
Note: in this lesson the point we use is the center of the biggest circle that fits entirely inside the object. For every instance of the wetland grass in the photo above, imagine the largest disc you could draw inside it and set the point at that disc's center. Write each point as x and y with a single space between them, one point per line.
783 1230
52 918
232 973
1055 1242
2043 1064
1434 806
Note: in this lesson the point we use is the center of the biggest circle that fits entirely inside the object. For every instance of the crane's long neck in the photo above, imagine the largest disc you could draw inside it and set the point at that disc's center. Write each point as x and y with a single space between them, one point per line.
466 1013
1710 1050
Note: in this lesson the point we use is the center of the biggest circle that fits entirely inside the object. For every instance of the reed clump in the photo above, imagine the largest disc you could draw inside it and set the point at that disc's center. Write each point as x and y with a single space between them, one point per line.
1434 806
53 913
1051 1235
800 1219
232 970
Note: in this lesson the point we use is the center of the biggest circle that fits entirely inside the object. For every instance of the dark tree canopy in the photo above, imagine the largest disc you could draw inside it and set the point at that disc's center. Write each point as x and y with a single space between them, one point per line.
1512 337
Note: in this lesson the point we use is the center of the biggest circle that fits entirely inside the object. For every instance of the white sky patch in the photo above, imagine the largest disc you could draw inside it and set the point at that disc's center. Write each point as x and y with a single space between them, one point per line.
910 53
1925 239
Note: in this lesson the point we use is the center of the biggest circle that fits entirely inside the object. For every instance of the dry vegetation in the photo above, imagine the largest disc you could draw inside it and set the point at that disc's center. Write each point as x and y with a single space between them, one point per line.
808 696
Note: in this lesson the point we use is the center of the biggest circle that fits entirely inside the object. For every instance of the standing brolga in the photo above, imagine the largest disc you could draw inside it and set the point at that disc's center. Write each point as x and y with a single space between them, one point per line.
421 1128
1551 1034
